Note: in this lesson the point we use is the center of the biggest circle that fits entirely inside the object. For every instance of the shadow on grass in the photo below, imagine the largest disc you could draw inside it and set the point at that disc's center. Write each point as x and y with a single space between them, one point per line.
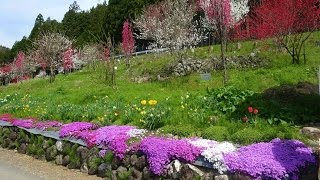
298 103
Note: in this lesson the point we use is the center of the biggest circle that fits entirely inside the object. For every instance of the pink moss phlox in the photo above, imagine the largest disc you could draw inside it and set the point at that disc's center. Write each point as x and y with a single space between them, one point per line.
74 128
88 136
277 159
43 125
25 123
114 138
161 151
7 117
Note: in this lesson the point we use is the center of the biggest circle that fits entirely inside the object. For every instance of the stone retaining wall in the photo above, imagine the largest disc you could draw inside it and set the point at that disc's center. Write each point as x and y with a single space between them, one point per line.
87 160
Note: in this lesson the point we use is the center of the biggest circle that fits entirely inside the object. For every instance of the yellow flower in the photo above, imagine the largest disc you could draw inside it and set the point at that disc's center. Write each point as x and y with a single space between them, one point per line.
152 102
143 102
116 114
142 112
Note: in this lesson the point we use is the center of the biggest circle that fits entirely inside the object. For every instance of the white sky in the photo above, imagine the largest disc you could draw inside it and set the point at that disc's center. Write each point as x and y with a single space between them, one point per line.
17 16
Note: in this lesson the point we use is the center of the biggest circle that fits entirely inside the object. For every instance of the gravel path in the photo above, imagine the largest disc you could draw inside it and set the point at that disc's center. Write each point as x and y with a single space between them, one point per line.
15 166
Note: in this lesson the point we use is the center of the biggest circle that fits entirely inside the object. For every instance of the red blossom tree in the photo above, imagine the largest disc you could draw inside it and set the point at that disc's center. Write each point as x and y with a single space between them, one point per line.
290 22
68 60
19 65
127 41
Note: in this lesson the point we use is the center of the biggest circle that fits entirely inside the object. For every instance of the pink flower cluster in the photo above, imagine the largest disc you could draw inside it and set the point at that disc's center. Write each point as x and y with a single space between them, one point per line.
278 159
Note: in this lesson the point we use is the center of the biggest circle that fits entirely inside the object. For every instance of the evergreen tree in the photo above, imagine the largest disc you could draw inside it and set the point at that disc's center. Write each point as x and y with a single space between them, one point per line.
37 27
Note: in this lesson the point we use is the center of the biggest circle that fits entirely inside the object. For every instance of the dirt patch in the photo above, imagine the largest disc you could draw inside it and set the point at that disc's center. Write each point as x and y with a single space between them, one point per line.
41 169
286 93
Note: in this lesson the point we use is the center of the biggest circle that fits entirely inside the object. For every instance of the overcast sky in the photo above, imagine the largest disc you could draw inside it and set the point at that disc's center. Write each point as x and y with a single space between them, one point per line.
17 16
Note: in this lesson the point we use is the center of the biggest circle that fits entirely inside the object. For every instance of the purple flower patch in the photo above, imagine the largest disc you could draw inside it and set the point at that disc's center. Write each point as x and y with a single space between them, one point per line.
43 125
114 138
25 123
277 159
74 128
88 136
161 151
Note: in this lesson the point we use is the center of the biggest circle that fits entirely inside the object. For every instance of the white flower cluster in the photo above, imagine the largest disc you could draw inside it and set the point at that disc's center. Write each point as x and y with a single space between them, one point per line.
170 24
136 132
239 8
213 152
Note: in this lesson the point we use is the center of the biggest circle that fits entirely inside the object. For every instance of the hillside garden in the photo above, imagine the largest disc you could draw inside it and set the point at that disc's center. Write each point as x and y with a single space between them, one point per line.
252 87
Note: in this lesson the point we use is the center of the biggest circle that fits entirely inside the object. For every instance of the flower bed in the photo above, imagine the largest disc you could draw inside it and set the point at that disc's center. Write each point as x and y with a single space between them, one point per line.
278 159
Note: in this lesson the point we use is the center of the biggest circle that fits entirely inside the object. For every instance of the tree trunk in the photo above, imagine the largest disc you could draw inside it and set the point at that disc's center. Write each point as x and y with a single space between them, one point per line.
113 75
223 50
128 62
293 56
52 75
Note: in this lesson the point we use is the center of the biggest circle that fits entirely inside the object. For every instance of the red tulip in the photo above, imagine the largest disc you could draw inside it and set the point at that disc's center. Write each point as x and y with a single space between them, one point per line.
255 111
250 109
245 119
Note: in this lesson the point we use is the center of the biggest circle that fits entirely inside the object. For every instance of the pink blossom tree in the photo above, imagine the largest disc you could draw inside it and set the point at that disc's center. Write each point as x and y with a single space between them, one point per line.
68 60
19 66
5 73
220 17
127 41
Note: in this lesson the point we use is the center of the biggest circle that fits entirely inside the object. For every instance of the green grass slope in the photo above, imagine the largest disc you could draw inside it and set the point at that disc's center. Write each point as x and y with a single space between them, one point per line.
84 96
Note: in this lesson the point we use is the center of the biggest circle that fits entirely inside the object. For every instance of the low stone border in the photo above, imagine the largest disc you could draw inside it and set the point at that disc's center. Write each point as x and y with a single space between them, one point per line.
46 145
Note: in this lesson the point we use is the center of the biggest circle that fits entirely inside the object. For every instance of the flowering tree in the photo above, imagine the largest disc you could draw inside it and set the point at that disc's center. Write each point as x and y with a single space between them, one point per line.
291 22
19 66
127 41
68 60
32 62
170 24
220 17
91 54
51 48
5 73
110 65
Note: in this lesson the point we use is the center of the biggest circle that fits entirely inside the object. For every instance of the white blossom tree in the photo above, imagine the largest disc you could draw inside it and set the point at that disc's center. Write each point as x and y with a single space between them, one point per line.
51 47
170 24
91 54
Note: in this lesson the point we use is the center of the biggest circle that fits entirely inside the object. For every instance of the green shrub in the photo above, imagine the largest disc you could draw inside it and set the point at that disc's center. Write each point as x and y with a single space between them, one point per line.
74 158
247 136
95 162
218 133
125 175
296 103
226 99
5 132
108 157
181 130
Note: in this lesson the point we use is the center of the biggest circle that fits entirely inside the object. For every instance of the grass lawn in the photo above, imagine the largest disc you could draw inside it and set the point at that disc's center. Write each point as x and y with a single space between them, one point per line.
182 107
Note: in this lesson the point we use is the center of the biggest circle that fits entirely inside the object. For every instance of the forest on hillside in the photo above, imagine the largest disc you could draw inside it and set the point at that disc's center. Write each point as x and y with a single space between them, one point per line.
84 27
95 25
